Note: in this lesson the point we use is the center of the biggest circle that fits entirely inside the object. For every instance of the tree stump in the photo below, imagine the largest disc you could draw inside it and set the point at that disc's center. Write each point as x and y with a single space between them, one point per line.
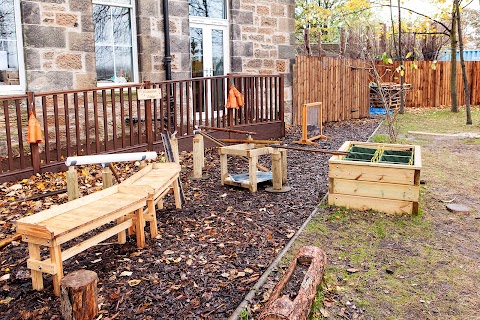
79 295
298 309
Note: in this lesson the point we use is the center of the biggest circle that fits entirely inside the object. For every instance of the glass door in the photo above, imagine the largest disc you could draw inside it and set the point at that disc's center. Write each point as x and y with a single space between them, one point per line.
209 56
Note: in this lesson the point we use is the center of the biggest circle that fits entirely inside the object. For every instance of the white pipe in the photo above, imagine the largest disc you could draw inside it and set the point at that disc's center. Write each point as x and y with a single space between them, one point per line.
108 158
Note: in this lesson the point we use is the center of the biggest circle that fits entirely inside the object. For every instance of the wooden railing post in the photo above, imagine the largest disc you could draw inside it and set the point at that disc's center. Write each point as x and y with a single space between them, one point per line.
229 110
148 119
282 102
34 150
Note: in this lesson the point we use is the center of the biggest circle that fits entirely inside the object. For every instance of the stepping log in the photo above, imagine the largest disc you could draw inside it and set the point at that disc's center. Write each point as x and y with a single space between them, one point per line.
283 307
79 295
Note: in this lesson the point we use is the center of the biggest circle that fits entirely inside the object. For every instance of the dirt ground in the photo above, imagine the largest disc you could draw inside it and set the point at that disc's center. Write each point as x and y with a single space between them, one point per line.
424 266
208 255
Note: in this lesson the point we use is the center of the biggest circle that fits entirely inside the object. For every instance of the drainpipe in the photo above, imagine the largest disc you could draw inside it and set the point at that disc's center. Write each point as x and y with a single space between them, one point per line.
166 28
168 60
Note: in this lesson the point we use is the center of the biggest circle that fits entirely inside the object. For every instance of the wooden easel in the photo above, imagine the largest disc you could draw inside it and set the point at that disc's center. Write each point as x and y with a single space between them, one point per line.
305 139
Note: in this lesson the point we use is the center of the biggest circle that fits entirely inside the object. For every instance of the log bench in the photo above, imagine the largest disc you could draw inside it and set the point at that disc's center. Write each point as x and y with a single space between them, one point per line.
60 224
158 179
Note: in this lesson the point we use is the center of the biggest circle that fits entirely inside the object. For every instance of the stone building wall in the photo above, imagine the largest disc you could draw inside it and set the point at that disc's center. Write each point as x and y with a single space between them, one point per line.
263 40
59 44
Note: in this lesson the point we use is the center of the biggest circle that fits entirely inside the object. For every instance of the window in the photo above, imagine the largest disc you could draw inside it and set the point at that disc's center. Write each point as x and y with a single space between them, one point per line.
115 45
12 68
208 9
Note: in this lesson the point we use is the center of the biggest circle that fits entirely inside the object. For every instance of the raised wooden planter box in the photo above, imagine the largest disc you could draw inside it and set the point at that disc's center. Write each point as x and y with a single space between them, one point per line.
377 176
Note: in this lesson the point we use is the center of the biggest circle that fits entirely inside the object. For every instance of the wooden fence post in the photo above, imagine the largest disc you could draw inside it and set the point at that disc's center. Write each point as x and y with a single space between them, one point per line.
198 156
72 184
148 119
282 102
107 178
34 150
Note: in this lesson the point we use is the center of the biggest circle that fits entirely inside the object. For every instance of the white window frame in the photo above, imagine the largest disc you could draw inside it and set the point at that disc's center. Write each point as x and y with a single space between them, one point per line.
17 89
133 26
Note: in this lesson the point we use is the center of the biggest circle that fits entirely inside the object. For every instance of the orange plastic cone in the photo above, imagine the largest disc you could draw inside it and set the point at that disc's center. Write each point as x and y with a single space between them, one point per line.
34 132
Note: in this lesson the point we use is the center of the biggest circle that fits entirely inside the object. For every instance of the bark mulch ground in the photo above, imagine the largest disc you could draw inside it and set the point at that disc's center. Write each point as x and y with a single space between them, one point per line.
208 255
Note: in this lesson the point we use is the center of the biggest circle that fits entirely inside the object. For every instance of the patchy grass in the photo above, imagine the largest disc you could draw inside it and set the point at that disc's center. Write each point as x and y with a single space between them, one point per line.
422 266
438 120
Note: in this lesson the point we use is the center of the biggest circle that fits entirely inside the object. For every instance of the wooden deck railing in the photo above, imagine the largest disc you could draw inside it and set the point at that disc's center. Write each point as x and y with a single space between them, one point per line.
112 119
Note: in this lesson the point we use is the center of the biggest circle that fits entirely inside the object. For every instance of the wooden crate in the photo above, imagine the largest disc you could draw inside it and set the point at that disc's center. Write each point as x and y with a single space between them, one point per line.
384 187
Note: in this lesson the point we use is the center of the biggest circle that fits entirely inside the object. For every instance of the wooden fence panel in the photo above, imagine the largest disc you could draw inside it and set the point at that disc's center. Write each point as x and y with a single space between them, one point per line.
340 84
431 87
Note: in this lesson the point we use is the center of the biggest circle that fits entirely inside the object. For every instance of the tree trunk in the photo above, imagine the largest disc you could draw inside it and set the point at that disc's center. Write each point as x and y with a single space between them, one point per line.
79 294
453 64
462 62
306 38
393 29
402 67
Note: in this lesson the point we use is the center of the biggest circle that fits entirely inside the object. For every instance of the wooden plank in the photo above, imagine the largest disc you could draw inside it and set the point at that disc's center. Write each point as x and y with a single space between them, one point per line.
365 203
37 279
352 171
92 241
375 189
45 266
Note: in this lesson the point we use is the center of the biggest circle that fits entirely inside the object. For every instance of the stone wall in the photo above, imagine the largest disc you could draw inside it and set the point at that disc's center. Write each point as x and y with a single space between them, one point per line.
59 44
263 40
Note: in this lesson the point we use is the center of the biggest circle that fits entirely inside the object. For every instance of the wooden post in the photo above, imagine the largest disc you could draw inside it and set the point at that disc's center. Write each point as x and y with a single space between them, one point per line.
283 153
277 169
79 295
72 184
148 119
223 168
139 225
34 253
107 178
198 156
34 150
252 173
56 259
174 146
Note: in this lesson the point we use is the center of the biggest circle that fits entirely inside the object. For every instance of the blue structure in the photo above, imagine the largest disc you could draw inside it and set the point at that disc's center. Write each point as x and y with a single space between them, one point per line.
468 55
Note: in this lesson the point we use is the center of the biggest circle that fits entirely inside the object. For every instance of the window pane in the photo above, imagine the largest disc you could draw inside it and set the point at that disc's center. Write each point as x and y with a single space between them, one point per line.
104 63
217 52
103 25
208 8
196 51
113 42
7 20
123 64
122 31
118 1
8 44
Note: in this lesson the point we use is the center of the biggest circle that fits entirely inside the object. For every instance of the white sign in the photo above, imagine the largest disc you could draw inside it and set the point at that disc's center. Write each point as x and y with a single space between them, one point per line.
147 94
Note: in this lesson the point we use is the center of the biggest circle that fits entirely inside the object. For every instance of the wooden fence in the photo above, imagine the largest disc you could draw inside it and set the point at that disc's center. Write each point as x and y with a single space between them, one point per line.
112 119
340 84
431 87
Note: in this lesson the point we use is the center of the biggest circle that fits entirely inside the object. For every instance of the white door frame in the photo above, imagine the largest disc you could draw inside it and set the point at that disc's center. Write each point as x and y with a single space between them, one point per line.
208 25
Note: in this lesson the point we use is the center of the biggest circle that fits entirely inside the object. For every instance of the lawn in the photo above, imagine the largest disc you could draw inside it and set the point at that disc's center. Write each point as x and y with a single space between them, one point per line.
422 266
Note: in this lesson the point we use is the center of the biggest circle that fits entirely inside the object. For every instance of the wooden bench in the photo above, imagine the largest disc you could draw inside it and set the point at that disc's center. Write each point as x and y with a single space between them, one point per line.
158 179
60 224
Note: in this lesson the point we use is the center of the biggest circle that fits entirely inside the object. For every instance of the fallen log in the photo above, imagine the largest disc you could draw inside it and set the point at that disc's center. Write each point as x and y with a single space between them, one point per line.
283 307
7 241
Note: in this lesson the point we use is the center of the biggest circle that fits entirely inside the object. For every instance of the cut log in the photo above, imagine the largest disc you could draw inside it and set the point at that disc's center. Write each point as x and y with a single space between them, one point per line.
298 309
79 295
